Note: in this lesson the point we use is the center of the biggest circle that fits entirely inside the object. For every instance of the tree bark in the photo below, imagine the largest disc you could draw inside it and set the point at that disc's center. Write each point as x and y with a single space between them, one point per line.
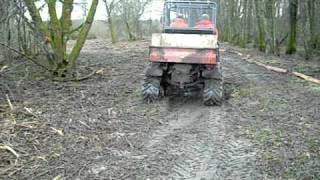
261 27
83 34
109 9
56 34
312 23
270 16
292 43
66 21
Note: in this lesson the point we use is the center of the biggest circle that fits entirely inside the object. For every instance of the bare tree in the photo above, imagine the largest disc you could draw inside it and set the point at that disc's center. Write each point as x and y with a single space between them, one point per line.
56 33
110 8
131 12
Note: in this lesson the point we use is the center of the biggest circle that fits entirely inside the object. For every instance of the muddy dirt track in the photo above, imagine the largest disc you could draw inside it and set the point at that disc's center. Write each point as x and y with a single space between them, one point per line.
100 129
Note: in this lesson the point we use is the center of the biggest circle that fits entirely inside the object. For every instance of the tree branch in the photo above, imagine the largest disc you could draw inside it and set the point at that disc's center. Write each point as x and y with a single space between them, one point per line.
35 15
83 33
65 19
26 56
55 29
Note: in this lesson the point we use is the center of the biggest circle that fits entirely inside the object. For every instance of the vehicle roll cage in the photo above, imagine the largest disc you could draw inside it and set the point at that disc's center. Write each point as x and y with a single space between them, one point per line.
189 4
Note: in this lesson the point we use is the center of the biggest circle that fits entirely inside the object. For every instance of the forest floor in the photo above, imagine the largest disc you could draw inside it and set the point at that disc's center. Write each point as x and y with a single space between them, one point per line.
269 128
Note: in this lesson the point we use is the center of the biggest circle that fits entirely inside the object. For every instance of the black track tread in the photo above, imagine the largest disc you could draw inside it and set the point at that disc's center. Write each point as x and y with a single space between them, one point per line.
150 92
213 95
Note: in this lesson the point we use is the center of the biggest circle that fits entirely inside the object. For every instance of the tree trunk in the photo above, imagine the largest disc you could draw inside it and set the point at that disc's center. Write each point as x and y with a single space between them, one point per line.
271 36
110 24
292 43
66 22
131 36
312 23
244 21
249 22
83 34
261 28
56 35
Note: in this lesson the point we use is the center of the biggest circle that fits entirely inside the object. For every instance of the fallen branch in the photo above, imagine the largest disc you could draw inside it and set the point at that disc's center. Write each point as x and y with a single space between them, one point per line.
77 79
86 77
280 70
272 68
307 78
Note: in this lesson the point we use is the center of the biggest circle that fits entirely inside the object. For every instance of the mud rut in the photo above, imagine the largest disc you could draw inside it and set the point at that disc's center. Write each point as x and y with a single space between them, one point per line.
203 147
201 139
199 142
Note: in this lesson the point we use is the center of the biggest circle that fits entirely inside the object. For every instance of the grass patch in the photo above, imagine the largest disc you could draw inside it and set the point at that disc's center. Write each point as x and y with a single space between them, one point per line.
315 87
241 91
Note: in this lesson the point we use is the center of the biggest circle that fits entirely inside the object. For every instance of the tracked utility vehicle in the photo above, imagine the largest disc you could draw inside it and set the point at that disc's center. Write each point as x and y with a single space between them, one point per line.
184 58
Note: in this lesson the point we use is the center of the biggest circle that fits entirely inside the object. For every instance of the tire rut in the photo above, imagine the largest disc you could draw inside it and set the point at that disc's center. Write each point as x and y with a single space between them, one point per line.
198 136
201 141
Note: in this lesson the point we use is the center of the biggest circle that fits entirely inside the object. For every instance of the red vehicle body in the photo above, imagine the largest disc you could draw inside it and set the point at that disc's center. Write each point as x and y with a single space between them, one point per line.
185 56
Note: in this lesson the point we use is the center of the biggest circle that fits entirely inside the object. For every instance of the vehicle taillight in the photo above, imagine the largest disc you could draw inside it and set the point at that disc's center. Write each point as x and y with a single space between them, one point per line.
154 55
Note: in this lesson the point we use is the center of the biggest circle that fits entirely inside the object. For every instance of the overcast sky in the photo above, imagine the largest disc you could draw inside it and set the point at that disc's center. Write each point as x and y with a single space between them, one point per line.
153 11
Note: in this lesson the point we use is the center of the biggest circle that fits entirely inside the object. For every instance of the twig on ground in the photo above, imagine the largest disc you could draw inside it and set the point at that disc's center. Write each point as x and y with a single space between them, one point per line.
15 171
8 89
6 147
77 79
11 109
85 124
86 77
3 68
57 131
58 177
29 112
46 172
12 68
6 170
9 103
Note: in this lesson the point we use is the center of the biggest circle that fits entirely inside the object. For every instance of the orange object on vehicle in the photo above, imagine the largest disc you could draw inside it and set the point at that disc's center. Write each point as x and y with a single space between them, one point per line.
179 23
206 24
